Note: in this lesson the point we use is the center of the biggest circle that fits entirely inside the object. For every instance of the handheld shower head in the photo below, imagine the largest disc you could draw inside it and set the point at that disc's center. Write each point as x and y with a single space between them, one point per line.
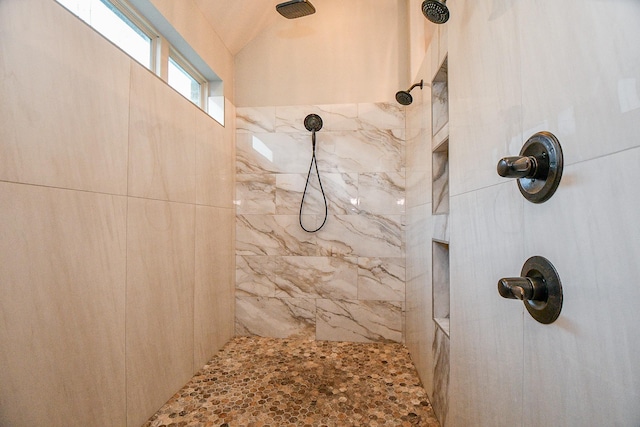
404 97
313 122
435 11
295 9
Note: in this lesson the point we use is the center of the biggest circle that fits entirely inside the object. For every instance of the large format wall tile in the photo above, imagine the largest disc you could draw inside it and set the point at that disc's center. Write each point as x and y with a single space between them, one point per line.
274 235
335 117
215 168
362 235
381 279
160 310
256 275
255 119
360 151
256 193
585 363
316 277
276 317
162 141
63 270
63 114
359 321
486 330
485 92
214 296
593 112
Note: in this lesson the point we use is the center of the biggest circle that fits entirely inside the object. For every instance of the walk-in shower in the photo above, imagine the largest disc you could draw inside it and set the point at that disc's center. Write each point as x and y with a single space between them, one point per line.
313 123
404 97
436 11
295 9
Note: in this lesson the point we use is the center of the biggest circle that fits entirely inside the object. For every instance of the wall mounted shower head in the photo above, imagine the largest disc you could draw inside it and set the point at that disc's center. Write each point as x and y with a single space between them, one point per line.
295 9
435 11
313 122
404 97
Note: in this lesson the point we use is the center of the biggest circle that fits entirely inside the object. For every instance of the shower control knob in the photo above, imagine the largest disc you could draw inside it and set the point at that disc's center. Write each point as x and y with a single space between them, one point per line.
538 287
538 168
517 167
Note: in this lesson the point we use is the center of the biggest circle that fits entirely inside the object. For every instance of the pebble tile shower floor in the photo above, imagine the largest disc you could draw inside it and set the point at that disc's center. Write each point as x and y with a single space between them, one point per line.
267 382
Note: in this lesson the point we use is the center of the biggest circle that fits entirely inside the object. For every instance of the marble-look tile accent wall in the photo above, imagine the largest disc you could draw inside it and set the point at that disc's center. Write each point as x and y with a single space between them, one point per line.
347 281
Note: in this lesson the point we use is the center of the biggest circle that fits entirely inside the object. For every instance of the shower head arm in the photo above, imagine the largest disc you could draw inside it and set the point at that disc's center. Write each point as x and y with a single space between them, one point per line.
421 84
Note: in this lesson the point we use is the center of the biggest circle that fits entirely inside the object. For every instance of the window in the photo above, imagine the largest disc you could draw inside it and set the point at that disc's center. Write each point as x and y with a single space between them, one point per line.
184 82
112 23
164 52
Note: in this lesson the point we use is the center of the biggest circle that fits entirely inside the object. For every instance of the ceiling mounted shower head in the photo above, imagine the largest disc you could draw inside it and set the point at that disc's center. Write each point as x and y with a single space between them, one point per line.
404 97
295 9
313 122
435 11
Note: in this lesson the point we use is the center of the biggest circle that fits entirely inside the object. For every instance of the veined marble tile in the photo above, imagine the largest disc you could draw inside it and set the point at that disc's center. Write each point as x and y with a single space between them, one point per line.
255 119
440 395
381 115
274 235
362 235
335 117
276 317
256 276
359 321
382 193
440 104
363 151
317 277
256 193
341 191
440 184
381 279
440 228
274 152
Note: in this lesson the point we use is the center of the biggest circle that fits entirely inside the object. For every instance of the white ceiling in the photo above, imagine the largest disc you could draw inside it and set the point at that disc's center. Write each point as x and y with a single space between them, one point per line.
237 22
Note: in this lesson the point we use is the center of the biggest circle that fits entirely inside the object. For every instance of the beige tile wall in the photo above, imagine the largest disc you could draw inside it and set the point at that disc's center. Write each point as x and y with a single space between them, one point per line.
116 228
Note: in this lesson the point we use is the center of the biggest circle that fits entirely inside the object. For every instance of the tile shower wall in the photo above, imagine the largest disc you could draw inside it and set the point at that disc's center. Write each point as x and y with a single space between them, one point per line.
347 281
116 228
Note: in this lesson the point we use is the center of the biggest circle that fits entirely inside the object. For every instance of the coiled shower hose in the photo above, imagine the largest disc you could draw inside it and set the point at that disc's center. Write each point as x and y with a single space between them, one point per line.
306 186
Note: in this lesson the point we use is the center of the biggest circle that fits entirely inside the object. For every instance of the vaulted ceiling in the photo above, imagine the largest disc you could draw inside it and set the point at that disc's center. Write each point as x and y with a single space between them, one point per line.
237 22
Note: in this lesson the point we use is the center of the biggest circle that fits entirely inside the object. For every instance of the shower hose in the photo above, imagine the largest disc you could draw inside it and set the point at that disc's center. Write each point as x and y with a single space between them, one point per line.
306 186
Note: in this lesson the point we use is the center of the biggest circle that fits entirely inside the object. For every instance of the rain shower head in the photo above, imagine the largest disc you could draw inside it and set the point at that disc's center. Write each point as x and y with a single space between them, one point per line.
435 11
295 9
404 97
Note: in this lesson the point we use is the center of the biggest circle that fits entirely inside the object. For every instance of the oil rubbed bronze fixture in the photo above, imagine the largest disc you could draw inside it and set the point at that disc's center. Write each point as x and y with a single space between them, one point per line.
404 96
295 9
538 287
436 11
538 168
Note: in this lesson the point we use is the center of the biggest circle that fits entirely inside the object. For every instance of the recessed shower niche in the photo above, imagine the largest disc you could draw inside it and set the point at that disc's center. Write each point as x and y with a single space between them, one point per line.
440 197
440 285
